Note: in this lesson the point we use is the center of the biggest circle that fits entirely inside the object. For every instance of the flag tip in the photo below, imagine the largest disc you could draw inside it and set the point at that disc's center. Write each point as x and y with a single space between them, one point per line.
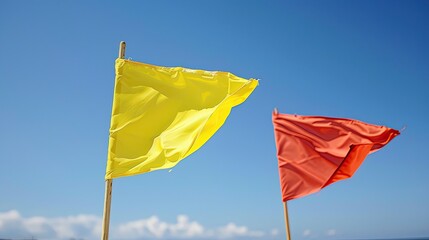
275 111
122 49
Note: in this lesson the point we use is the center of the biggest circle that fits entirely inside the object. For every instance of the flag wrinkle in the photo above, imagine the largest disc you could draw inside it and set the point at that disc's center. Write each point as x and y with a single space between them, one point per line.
299 132
219 108
298 170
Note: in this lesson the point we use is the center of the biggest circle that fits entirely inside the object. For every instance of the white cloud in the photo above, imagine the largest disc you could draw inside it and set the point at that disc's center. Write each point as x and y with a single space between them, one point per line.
331 232
8 217
185 228
142 228
306 233
13 225
232 230
274 232
153 227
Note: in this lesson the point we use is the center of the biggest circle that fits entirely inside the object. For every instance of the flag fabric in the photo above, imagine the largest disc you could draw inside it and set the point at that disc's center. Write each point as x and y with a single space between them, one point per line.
161 115
315 151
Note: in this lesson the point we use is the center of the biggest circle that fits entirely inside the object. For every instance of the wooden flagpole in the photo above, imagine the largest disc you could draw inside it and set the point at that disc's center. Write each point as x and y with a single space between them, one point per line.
106 212
287 221
285 205
108 191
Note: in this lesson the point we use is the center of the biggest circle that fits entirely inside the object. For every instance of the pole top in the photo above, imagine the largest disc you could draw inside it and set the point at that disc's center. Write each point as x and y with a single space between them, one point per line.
122 49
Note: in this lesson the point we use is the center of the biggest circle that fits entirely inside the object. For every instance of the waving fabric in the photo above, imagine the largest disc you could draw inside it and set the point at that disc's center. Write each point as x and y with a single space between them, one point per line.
161 115
314 152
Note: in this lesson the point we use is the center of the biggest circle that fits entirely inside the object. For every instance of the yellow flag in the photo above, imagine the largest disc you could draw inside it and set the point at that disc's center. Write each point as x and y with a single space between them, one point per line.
160 115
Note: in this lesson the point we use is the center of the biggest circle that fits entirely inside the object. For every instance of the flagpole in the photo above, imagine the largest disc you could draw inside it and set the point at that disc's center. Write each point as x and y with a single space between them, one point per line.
106 212
108 190
287 221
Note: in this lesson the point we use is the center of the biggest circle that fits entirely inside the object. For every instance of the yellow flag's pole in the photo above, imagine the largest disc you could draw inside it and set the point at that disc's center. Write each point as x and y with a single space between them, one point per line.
287 221
108 191
106 212
122 49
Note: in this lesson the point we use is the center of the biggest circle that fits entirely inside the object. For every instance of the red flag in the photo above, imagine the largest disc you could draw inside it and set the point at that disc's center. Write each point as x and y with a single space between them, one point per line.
314 152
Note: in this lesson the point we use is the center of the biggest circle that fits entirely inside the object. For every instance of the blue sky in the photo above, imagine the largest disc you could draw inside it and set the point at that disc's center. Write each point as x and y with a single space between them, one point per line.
367 60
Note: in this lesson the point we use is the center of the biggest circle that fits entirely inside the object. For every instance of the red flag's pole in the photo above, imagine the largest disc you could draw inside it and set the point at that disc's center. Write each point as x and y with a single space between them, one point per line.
287 221
285 205
108 191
